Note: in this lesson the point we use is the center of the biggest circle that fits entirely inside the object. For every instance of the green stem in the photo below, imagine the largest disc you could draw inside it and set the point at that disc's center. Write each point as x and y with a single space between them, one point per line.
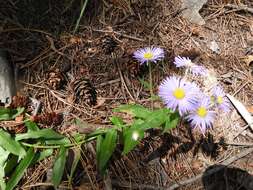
151 84
57 146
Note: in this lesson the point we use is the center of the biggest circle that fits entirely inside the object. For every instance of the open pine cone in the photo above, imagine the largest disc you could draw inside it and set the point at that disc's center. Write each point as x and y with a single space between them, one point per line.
83 91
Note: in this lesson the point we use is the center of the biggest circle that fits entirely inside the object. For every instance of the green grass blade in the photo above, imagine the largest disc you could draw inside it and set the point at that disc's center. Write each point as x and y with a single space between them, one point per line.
80 16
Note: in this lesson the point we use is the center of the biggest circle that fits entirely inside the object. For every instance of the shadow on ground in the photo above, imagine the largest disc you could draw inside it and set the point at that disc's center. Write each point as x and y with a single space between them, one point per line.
227 178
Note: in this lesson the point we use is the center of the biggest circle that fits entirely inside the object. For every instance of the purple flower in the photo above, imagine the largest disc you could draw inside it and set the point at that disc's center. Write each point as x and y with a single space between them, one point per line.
202 116
149 54
220 99
198 70
178 94
183 62
186 62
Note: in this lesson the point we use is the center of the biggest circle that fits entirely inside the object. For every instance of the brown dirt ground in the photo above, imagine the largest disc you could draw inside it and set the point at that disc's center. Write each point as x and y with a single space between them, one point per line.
40 41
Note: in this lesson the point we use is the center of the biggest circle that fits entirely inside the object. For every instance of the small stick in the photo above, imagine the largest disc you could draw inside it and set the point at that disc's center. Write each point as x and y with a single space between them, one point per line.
108 82
121 76
240 8
120 34
239 144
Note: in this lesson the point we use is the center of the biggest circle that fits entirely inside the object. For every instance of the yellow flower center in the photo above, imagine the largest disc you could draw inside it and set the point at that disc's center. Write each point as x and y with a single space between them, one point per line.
202 111
148 55
219 100
179 93
212 99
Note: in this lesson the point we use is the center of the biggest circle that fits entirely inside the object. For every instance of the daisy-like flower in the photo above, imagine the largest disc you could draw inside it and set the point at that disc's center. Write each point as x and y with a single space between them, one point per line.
178 94
220 99
149 54
186 62
202 116
183 62
198 70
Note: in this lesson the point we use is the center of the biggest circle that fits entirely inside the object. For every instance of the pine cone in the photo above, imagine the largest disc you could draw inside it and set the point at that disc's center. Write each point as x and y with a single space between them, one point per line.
19 101
51 118
84 91
109 44
55 79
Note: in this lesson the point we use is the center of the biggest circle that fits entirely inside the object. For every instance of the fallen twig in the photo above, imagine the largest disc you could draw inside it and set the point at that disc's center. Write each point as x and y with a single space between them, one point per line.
240 8
122 77
120 34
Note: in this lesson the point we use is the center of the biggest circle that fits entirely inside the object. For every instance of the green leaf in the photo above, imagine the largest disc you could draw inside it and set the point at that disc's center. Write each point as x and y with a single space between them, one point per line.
172 121
79 137
145 83
117 121
20 170
3 157
11 164
18 112
31 126
156 119
77 156
10 144
8 114
105 148
59 166
43 133
135 110
42 155
98 146
132 137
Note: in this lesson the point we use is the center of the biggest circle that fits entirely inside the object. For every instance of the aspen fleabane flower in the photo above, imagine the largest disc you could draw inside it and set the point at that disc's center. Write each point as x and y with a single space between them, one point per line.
149 54
202 116
178 94
186 62
220 99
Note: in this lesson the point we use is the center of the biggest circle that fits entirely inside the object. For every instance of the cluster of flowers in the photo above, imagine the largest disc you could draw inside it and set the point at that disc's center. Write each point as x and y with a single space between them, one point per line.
186 97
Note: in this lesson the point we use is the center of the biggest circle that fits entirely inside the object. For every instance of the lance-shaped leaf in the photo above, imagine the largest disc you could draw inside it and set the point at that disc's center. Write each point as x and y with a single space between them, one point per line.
135 110
20 170
132 137
8 143
171 122
76 159
31 126
3 157
59 166
156 119
117 121
105 148
43 133
8 114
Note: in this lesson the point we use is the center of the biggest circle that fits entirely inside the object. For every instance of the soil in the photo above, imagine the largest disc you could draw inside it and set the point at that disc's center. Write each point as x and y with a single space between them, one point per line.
52 60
